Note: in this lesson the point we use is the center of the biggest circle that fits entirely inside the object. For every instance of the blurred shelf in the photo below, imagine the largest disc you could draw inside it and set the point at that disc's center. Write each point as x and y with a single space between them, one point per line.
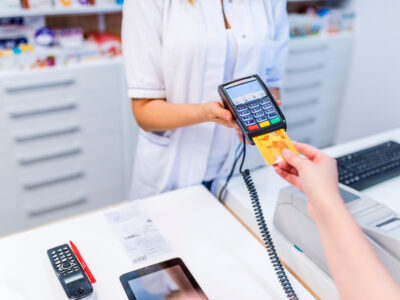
83 10
72 66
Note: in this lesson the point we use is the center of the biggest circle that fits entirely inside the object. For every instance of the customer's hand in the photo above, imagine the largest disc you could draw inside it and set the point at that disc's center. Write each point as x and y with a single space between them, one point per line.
316 175
215 111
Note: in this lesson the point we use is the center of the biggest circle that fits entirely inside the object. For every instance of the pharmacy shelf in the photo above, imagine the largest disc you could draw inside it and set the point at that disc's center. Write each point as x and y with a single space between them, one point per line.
4 74
83 10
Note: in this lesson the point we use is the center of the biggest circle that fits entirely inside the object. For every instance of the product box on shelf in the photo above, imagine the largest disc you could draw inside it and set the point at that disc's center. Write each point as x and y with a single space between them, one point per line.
10 4
37 4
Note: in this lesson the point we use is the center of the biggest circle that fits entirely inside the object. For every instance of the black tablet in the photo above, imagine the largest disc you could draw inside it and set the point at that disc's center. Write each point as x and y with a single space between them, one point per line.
167 280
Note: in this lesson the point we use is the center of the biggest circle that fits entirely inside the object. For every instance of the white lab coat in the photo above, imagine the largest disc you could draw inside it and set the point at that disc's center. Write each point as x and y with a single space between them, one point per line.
175 50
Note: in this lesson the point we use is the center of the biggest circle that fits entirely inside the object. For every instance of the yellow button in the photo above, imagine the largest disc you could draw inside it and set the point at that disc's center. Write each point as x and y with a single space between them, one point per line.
264 124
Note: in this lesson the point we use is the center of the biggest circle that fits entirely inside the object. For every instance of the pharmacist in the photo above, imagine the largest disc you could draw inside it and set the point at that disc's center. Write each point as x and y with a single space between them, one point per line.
176 53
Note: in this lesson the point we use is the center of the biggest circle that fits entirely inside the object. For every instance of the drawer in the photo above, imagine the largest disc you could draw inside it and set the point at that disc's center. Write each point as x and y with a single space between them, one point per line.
83 201
43 194
66 81
310 130
32 132
105 172
306 52
301 111
305 94
38 84
306 78
61 157
86 104
9 212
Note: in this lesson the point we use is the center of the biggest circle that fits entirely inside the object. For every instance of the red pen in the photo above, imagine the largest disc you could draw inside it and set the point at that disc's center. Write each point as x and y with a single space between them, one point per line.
82 262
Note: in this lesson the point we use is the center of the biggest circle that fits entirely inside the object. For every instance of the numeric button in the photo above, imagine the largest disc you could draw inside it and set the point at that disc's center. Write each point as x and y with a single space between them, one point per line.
248 117
254 105
241 107
250 122
265 102
259 114
244 112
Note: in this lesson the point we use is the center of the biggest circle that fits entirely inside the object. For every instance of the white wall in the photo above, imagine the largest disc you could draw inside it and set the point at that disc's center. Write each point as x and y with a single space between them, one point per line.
372 101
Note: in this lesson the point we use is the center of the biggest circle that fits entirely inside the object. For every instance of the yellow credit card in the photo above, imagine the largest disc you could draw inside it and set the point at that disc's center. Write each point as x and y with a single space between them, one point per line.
272 144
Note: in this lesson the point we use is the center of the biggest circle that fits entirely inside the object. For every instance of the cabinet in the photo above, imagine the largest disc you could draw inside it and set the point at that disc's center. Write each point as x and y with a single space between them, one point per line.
64 142
313 86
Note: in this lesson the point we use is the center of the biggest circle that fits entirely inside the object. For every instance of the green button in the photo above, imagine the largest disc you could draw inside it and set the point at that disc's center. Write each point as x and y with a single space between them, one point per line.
275 120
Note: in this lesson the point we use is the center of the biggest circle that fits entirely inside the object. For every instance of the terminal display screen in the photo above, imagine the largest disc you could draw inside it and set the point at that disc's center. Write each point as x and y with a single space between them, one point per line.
246 92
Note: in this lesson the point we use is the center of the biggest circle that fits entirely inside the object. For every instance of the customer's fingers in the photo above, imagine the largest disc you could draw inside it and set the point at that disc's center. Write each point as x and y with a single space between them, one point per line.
293 159
308 151
292 179
288 168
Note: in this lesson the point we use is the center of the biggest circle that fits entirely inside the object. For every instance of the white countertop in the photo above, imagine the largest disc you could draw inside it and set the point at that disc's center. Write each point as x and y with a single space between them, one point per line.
225 259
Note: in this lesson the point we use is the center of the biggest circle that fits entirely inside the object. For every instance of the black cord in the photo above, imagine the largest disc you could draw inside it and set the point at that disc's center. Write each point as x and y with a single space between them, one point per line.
237 157
265 234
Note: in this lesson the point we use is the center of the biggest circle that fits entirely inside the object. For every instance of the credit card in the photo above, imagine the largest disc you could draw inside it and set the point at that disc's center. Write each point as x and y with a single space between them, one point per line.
272 144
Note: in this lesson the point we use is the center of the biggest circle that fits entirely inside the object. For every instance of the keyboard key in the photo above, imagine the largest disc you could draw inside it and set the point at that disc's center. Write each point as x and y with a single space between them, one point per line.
254 105
262 119
271 110
275 120
244 113
265 102
241 107
253 127
248 117
272 116
264 124
267 106
250 122
256 110
259 114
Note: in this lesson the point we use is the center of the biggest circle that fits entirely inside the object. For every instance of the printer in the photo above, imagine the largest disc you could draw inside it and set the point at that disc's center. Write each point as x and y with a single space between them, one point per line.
380 224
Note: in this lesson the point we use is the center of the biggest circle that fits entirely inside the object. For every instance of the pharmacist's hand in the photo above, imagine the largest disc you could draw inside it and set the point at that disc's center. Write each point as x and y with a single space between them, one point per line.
215 111
316 175
276 93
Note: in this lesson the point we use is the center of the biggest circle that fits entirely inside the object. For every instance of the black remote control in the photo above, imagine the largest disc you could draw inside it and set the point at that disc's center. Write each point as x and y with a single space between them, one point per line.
71 275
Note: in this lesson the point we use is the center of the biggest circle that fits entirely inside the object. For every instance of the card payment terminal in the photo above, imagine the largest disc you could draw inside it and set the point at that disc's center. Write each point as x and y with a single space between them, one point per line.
257 114
252 106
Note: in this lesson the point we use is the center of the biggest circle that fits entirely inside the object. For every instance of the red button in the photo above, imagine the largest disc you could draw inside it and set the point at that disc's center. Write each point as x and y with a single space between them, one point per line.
253 127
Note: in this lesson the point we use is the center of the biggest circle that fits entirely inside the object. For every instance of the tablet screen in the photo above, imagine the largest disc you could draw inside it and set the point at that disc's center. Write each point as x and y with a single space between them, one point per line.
169 280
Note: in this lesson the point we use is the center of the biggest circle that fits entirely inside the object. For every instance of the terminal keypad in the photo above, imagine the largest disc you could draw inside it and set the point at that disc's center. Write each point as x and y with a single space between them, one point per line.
257 114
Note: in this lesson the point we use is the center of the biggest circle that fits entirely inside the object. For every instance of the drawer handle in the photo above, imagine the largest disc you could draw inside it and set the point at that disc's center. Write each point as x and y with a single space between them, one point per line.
46 134
44 85
305 69
42 110
54 180
302 122
309 50
299 104
49 156
35 212
303 87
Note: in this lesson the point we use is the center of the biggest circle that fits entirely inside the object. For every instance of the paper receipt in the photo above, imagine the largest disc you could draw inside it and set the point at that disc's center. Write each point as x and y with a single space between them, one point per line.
137 233
271 145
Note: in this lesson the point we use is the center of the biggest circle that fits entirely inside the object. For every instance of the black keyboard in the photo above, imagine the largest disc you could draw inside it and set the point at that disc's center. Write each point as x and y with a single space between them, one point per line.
370 166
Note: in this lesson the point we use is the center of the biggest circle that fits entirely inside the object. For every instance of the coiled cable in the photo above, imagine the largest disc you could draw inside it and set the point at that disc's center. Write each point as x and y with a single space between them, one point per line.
265 234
